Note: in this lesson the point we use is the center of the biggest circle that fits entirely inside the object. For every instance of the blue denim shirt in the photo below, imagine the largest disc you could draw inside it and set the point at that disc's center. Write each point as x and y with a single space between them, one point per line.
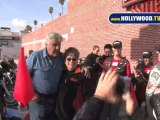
44 73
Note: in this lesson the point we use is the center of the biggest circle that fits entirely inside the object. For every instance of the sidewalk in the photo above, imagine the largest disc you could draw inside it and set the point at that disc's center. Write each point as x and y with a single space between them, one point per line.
15 112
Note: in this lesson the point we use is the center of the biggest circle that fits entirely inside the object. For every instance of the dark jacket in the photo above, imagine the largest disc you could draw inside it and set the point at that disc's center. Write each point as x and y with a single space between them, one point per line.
91 62
74 89
92 108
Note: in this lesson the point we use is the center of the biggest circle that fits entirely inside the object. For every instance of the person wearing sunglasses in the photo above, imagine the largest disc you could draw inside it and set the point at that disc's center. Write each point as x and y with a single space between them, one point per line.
74 87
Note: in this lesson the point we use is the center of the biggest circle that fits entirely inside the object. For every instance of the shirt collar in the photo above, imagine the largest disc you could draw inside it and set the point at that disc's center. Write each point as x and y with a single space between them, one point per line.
45 52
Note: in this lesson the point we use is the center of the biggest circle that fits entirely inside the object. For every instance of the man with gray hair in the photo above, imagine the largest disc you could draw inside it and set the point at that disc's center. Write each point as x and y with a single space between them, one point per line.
45 67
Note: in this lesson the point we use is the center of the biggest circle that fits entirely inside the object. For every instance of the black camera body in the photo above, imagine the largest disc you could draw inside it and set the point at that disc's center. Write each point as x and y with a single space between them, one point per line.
82 61
140 65
140 69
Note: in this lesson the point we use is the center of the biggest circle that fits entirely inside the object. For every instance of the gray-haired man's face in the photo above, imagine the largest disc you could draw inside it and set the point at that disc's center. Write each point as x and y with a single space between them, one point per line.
53 47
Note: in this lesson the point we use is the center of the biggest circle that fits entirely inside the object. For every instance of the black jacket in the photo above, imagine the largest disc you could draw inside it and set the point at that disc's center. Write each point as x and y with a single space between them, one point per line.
91 62
73 91
92 108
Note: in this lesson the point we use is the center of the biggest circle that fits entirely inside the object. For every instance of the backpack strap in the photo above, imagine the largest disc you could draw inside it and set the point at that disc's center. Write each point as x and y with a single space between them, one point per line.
122 65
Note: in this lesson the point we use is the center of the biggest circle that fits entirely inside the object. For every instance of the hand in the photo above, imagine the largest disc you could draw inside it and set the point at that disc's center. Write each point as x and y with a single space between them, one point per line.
97 59
35 98
86 72
157 90
106 87
130 104
136 74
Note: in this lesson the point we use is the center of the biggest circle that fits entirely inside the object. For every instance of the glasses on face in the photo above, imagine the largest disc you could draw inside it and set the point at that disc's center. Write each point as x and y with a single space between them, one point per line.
73 59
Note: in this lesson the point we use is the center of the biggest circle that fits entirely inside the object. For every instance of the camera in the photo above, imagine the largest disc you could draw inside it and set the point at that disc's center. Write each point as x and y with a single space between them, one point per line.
82 61
140 65
101 59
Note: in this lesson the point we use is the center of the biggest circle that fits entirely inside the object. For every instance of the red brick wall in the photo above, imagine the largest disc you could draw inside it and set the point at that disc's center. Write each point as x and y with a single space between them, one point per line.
91 26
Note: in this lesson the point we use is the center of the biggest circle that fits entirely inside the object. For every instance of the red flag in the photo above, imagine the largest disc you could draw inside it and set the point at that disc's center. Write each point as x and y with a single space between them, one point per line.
23 90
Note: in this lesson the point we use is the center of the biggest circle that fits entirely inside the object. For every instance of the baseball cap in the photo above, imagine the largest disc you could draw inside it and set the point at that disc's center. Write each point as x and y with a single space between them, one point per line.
147 54
117 44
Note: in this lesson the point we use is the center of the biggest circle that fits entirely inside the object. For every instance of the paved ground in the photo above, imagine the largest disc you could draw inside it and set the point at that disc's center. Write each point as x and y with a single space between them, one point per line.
14 111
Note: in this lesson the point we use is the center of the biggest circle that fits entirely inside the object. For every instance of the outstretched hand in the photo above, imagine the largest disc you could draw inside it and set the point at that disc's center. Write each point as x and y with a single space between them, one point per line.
106 91
106 87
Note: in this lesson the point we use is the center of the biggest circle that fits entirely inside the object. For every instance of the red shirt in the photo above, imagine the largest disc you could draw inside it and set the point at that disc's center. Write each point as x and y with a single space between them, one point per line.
147 69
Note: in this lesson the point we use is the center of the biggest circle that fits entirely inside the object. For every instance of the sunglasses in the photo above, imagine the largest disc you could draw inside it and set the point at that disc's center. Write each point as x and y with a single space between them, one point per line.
73 59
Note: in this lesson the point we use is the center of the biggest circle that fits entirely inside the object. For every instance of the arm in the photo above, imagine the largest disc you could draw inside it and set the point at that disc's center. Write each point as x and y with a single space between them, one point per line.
90 110
128 69
31 60
88 61
86 72
104 65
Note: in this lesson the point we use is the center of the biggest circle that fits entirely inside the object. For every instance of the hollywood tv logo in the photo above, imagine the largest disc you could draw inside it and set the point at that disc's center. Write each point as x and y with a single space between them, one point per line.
143 12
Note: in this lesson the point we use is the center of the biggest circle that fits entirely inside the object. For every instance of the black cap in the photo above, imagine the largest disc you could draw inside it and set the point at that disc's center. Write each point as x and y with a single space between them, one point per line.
147 54
108 46
157 47
117 44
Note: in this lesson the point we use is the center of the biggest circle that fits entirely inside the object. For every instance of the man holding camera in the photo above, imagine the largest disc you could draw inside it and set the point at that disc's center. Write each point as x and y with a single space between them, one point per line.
123 86
141 75
107 53
94 67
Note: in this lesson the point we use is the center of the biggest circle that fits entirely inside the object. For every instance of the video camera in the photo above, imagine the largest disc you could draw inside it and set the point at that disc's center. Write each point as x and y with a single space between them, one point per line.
82 61
100 59
140 65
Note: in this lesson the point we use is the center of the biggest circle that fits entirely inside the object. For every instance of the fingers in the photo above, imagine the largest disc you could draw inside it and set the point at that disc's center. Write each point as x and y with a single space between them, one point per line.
102 77
87 75
86 72
114 78
110 75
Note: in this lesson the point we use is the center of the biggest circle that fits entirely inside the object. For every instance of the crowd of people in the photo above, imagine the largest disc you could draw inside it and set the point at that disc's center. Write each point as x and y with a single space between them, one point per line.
102 88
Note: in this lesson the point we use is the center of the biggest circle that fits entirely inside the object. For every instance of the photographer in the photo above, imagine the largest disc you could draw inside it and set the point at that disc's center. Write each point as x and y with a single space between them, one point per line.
107 53
141 75
94 67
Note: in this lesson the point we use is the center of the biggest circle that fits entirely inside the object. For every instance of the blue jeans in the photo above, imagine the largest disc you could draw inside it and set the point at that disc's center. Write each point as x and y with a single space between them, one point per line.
42 111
